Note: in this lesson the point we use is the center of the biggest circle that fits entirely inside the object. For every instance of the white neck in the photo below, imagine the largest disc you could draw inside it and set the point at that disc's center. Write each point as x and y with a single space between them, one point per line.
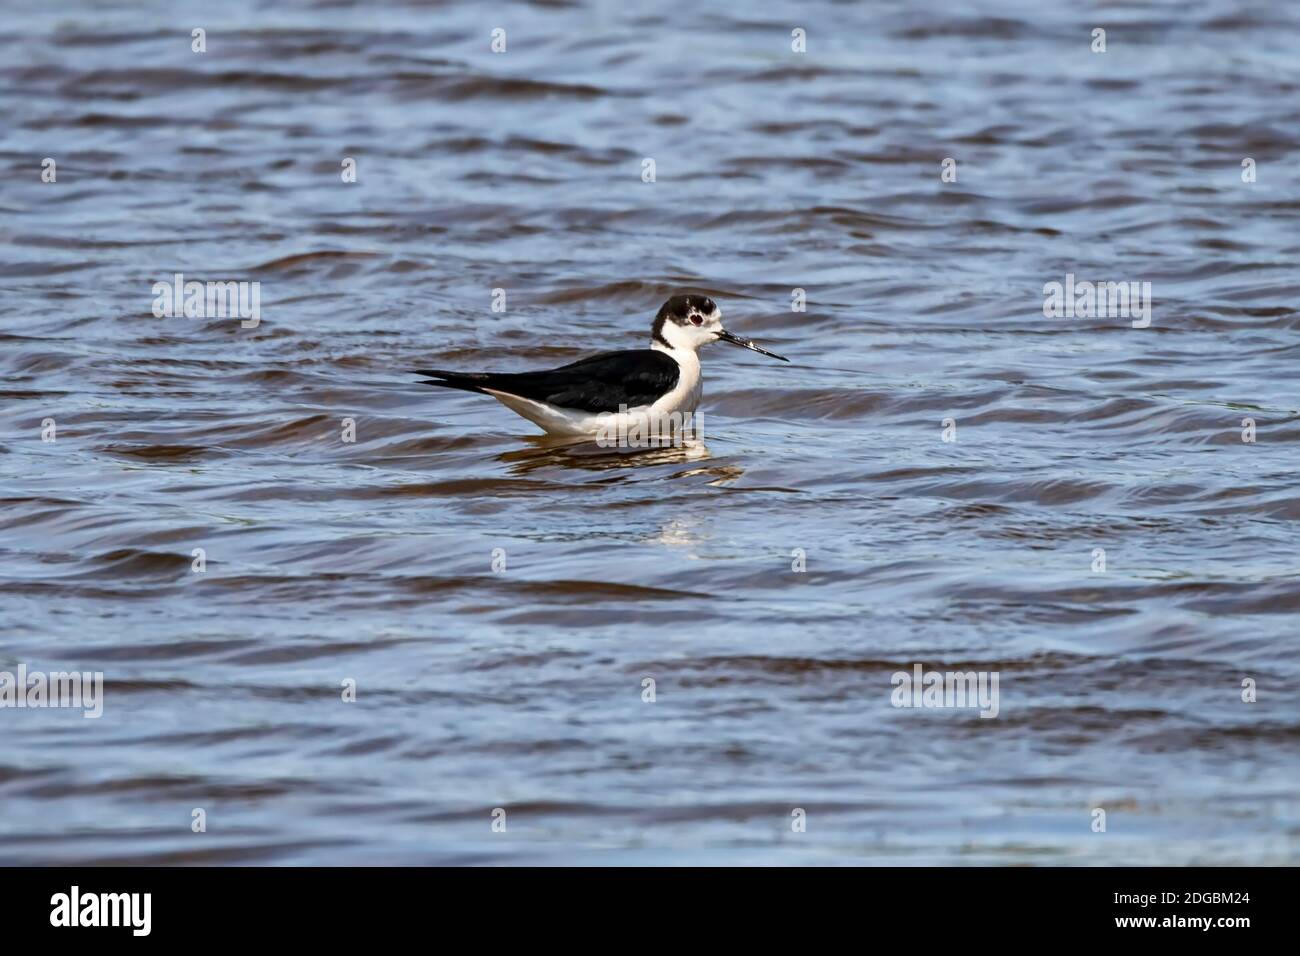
685 357
689 389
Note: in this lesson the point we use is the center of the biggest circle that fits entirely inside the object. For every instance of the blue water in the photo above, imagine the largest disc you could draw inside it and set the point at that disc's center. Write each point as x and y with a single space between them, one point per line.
521 689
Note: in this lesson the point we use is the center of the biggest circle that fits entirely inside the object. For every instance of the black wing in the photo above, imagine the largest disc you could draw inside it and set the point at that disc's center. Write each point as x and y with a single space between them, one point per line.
598 384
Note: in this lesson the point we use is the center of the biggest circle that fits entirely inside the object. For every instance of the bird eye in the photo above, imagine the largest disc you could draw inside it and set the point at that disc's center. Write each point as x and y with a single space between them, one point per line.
697 320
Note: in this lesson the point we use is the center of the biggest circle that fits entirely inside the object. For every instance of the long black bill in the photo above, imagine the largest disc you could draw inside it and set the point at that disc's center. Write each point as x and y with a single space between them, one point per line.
745 343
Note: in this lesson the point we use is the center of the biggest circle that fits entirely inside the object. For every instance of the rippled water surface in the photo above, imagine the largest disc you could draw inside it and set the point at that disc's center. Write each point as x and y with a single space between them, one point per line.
522 689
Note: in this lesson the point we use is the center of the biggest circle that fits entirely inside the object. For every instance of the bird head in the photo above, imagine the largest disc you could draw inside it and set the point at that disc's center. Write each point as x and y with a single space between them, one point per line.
690 321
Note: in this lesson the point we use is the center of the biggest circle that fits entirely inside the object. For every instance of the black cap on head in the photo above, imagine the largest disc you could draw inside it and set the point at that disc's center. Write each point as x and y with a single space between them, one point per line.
680 306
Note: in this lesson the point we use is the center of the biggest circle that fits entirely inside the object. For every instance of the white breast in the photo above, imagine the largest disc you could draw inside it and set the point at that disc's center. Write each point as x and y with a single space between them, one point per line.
686 395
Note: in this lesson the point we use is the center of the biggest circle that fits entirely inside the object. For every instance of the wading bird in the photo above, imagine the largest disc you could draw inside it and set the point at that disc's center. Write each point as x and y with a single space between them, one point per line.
613 390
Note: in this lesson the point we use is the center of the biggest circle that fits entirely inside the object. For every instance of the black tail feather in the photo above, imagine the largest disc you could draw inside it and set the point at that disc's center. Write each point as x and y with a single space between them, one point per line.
465 381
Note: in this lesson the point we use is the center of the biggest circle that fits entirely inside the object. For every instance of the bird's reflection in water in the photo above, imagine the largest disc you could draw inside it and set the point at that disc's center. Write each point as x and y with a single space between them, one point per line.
683 534
548 452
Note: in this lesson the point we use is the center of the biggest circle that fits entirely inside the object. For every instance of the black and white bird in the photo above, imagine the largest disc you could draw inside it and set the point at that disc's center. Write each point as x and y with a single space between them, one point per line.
633 384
